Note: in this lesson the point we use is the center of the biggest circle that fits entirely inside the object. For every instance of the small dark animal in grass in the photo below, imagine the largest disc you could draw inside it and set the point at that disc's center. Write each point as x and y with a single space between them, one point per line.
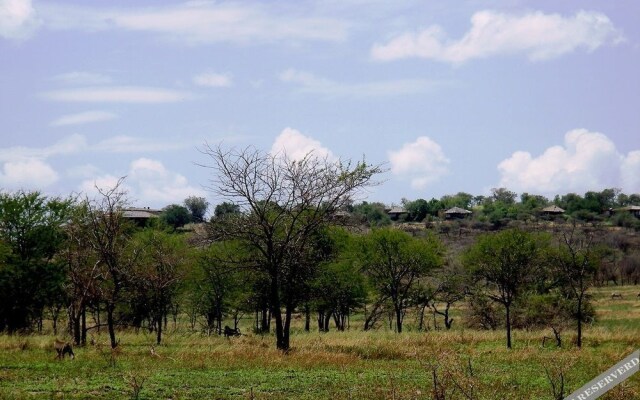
615 295
63 348
228 332
639 295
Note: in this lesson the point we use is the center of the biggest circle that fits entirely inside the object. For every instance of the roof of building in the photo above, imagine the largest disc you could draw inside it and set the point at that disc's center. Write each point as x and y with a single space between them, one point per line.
553 209
629 208
397 210
457 210
140 212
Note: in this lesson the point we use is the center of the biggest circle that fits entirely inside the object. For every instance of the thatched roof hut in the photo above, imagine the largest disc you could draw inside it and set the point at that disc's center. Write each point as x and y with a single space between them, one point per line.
552 210
456 212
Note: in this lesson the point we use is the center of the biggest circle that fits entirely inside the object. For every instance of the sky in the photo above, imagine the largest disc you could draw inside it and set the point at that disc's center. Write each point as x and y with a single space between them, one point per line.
535 96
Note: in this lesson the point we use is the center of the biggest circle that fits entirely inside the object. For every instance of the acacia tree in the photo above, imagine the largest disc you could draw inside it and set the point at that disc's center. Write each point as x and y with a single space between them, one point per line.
82 271
339 286
394 261
283 204
576 262
109 237
504 264
450 289
158 272
217 283
197 207
31 276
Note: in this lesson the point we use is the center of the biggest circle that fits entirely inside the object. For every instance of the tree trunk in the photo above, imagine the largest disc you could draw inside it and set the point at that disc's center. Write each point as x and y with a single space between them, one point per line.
399 319
421 318
508 310
447 322
307 318
266 320
287 327
76 327
579 342
320 321
84 325
159 330
282 342
111 325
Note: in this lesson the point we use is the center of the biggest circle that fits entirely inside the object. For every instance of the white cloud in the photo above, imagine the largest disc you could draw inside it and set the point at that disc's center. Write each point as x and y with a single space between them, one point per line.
422 162
630 172
202 22
587 161
118 94
212 79
540 36
83 118
17 19
84 171
310 83
68 145
30 173
296 146
78 144
83 78
92 187
148 182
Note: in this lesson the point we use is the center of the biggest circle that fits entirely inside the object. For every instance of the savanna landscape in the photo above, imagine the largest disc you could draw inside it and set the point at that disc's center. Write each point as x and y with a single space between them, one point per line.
290 290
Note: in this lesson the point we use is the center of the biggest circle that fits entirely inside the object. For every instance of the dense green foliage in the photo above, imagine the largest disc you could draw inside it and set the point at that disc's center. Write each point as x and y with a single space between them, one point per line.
505 265
503 207
31 277
175 216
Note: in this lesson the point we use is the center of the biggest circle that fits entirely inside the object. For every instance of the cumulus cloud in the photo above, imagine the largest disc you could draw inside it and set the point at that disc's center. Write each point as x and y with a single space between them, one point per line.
310 83
30 173
296 146
213 80
148 182
630 172
422 162
539 36
17 19
118 94
201 22
586 161
86 117
92 187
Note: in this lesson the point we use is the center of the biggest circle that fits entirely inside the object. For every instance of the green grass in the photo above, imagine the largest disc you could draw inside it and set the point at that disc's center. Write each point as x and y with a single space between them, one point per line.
336 365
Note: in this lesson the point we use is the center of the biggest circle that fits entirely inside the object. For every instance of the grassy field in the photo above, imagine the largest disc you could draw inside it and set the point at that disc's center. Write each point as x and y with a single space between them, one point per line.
337 365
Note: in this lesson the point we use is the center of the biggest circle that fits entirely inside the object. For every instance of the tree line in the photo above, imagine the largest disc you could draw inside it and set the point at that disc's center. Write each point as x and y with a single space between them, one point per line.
503 206
278 248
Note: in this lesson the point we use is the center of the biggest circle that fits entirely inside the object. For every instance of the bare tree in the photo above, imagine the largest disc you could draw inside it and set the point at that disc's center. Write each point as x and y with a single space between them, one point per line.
284 203
82 271
450 290
109 237
576 262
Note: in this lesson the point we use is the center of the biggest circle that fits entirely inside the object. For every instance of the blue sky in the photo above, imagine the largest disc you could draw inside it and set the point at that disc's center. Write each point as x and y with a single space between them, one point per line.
535 96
